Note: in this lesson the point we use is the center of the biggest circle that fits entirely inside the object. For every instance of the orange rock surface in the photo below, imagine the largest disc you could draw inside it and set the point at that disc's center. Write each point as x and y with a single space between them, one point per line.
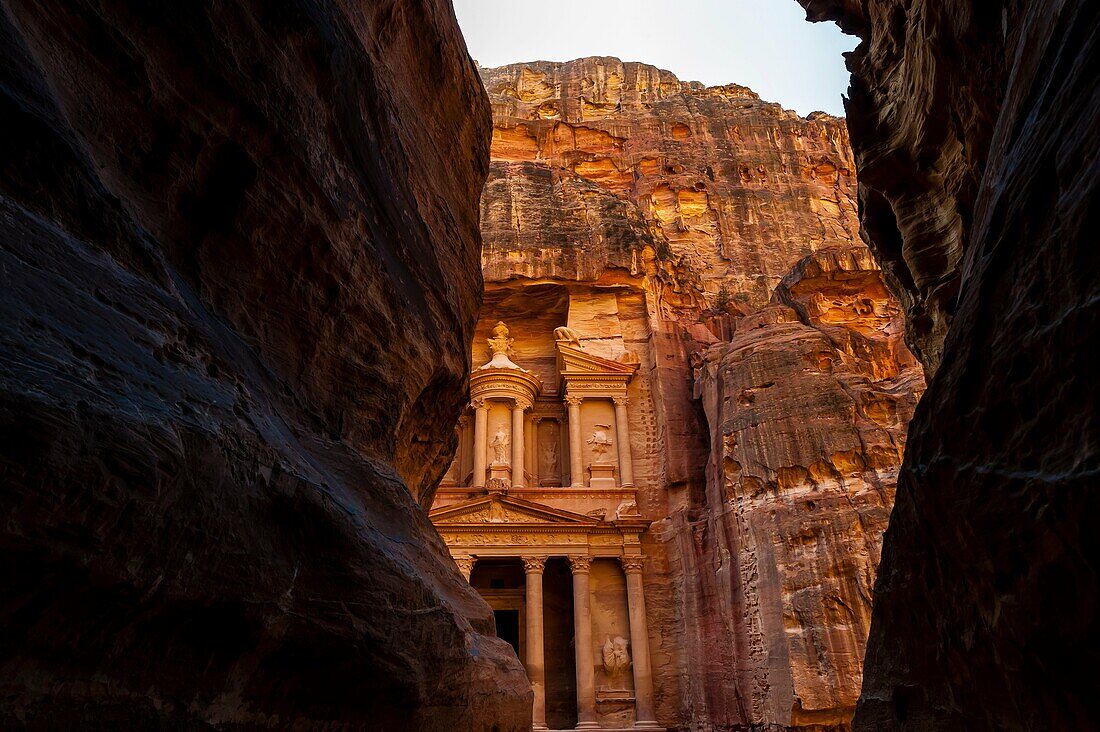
713 236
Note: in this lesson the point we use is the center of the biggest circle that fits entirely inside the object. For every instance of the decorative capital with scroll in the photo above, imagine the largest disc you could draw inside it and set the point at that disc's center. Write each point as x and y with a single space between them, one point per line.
572 400
580 564
522 404
533 565
466 566
632 563
620 401
478 403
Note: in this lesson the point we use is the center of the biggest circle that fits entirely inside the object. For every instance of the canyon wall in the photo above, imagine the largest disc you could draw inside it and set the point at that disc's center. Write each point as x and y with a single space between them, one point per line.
975 130
713 236
238 283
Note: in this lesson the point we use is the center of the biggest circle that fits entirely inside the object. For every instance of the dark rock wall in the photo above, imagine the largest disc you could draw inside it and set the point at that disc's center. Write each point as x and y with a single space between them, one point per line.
238 281
975 128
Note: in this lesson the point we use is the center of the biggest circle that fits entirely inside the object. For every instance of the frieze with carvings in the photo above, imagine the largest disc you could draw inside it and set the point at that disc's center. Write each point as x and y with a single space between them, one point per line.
503 539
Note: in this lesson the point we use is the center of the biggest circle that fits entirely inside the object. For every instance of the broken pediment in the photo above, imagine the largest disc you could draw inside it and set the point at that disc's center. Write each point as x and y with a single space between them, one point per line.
498 509
572 360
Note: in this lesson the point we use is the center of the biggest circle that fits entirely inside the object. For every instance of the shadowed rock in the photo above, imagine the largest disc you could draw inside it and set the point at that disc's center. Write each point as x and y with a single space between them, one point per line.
238 282
974 127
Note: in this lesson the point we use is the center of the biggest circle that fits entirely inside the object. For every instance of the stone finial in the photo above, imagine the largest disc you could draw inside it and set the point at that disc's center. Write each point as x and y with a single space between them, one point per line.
500 342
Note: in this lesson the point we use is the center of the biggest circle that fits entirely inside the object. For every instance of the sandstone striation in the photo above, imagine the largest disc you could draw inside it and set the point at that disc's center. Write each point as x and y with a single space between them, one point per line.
974 127
238 283
711 236
808 404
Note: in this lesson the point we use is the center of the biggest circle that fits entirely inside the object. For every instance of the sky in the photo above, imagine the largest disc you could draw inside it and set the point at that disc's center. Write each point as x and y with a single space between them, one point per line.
766 45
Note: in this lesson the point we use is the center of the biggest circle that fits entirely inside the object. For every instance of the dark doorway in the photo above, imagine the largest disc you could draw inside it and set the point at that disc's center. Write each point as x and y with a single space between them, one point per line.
508 627
561 667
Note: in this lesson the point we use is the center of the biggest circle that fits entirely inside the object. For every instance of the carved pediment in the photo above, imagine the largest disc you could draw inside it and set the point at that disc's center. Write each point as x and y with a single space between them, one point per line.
575 361
497 509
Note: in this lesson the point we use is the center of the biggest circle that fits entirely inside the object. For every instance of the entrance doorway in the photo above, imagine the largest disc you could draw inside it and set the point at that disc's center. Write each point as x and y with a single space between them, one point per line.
502 584
508 627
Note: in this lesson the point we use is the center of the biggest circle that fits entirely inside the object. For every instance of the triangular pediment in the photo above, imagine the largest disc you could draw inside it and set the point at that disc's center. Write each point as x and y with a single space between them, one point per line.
575 360
501 509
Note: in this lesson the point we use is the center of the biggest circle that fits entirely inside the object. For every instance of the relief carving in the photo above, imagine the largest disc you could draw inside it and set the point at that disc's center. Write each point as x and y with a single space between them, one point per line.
616 660
600 442
499 446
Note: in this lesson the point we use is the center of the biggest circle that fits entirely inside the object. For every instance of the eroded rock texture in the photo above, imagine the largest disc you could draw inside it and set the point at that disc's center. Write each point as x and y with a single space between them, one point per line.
665 219
808 405
238 256
975 128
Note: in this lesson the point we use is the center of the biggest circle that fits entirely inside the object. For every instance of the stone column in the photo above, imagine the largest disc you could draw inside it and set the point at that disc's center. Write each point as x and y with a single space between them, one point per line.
576 470
481 442
518 444
582 628
644 717
466 565
622 435
535 661
535 421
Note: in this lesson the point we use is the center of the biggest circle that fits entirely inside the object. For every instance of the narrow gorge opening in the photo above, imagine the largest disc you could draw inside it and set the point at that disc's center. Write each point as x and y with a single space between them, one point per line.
687 373
240 277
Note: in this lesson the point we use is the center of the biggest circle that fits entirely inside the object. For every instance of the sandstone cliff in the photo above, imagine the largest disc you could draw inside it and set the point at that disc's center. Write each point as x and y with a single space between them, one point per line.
238 283
808 405
667 219
975 127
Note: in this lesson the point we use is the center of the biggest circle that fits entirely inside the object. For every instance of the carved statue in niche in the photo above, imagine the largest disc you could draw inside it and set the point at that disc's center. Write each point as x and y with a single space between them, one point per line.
600 442
616 660
500 342
499 446
567 335
548 452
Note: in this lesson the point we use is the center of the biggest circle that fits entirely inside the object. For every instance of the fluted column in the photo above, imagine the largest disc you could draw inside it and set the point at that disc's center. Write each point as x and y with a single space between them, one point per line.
535 661
639 644
576 470
481 441
466 566
622 435
582 629
518 444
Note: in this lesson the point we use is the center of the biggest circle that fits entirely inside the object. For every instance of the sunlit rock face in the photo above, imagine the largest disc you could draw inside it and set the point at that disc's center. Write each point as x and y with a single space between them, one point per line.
808 405
975 127
238 283
712 235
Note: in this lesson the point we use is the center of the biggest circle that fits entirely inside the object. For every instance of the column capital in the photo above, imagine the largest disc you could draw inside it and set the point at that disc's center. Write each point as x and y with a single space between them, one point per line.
572 400
466 565
580 564
632 563
534 564
479 403
621 401
522 404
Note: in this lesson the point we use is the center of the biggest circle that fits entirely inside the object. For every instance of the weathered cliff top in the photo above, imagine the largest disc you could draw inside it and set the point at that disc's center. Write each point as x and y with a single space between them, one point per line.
596 87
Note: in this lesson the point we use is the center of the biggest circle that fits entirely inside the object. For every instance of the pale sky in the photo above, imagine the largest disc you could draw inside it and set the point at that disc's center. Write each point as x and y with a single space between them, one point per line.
766 45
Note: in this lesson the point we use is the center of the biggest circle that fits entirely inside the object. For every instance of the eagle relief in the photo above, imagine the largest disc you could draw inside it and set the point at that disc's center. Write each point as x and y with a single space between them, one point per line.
600 442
